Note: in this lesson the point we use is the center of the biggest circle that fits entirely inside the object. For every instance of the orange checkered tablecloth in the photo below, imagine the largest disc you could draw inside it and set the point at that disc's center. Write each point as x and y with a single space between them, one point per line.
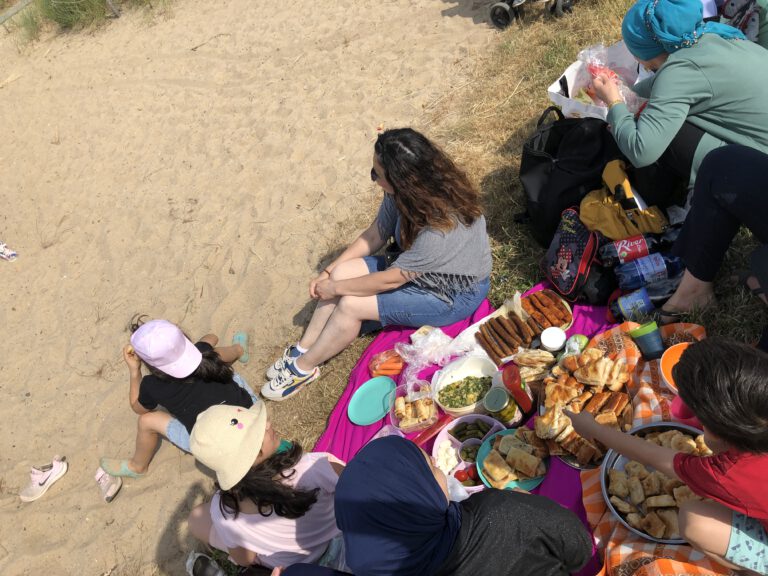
624 553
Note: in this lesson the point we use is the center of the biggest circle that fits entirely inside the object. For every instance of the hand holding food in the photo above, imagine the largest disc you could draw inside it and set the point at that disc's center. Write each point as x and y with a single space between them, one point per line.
606 87
130 357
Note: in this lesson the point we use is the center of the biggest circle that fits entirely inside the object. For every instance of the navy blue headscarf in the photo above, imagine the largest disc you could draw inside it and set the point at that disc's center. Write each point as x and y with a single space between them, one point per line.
394 516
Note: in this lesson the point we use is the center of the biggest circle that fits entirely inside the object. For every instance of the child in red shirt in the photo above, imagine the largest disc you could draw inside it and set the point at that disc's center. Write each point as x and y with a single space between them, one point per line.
725 384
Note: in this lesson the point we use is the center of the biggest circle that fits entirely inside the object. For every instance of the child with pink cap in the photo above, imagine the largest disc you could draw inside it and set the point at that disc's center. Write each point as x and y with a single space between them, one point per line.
184 379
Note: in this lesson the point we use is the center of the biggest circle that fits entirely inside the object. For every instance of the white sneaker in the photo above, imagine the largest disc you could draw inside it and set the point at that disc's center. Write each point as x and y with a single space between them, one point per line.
287 383
42 477
108 485
280 363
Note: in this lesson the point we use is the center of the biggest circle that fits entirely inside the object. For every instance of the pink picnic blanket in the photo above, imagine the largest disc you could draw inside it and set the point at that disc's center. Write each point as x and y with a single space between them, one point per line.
343 439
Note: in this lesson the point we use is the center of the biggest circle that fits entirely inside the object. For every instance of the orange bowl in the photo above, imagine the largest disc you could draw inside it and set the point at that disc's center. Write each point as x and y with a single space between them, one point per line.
671 357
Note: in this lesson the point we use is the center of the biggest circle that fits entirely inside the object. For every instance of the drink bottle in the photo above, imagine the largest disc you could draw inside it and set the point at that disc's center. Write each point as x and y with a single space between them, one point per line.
634 247
642 302
647 270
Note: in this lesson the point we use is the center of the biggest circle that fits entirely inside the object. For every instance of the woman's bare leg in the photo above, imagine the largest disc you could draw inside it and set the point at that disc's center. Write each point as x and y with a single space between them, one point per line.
324 309
340 330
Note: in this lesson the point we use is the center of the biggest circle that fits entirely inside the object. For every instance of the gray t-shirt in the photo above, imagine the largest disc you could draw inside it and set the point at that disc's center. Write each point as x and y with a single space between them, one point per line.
447 263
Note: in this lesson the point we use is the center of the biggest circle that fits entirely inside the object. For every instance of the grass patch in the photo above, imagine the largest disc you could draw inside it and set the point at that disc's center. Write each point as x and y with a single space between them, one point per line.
72 13
75 14
29 24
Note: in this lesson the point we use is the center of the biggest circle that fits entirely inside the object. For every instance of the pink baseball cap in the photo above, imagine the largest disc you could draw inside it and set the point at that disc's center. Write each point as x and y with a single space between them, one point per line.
163 345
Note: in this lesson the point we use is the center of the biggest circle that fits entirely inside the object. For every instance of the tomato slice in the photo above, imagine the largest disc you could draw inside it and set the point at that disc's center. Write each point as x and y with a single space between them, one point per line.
472 471
461 475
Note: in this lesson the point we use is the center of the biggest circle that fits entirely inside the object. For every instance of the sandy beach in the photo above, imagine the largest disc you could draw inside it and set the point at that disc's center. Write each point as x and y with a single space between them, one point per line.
196 167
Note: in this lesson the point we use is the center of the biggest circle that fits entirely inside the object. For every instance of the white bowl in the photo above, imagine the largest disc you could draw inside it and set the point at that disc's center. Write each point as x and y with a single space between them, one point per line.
458 370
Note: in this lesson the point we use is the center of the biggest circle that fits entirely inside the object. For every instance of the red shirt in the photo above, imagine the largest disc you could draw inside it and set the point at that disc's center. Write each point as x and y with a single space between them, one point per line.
735 479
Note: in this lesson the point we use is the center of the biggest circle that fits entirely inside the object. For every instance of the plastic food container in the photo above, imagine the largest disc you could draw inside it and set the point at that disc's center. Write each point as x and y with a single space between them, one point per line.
412 411
669 359
490 424
502 406
458 370
553 339
468 450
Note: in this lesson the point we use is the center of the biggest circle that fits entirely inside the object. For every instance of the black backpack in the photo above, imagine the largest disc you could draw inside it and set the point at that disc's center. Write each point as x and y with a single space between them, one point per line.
561 162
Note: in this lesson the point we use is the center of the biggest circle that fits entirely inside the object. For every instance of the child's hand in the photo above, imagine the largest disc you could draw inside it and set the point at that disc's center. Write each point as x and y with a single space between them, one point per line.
583 423
130 357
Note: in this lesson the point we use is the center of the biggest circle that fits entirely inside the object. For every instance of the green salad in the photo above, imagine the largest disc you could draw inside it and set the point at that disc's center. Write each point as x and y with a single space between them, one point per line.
464 392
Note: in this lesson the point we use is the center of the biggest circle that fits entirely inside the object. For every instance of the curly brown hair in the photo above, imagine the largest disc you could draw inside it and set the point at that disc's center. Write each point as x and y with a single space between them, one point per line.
429 189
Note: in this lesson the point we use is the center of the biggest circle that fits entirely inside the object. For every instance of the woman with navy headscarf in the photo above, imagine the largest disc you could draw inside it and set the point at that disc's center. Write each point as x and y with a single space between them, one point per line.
393 510
710 88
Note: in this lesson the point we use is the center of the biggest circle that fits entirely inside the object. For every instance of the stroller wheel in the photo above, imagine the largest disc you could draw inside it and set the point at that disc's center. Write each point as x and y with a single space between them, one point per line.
501 15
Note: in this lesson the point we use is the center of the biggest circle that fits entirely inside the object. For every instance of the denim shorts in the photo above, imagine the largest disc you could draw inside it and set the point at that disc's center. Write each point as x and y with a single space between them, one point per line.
177 433
748 545
412 306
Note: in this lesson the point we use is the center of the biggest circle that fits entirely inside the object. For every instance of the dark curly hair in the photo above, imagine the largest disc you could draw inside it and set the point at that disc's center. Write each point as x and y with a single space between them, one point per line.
429 189
263 486
725 384
212 368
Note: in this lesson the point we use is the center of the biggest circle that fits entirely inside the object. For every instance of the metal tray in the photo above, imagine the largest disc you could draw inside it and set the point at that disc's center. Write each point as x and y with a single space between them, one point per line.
614 460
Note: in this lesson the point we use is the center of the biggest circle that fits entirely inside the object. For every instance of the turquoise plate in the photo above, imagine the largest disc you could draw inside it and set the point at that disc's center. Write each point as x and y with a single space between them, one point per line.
371 401
485 449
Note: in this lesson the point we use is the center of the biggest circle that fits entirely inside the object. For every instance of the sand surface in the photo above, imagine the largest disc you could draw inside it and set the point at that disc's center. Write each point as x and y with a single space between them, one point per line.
196 167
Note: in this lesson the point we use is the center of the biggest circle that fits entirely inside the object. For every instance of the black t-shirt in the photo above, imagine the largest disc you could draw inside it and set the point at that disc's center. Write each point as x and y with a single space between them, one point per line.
185 400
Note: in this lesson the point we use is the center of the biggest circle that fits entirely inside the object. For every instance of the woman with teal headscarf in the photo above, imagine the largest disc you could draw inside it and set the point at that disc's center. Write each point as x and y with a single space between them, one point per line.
710 88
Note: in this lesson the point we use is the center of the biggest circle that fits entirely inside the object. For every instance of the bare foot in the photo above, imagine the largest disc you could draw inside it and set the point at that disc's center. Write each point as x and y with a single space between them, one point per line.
754 286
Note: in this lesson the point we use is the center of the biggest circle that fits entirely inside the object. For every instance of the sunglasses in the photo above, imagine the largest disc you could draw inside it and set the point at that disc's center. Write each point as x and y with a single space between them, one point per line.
374 175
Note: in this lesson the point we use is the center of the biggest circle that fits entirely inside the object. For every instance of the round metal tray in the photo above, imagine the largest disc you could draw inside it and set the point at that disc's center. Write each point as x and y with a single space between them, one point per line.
614 460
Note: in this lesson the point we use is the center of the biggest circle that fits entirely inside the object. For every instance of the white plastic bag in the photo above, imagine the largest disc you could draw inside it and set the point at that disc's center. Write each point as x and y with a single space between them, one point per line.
428 346
577 77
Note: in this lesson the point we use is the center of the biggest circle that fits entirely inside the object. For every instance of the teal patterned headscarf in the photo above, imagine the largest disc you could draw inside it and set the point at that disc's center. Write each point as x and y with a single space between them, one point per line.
652 27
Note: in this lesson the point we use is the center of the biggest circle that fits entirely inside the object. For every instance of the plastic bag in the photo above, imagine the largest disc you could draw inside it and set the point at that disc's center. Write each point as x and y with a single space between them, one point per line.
456 490
597 60
569 91
428 346
387 363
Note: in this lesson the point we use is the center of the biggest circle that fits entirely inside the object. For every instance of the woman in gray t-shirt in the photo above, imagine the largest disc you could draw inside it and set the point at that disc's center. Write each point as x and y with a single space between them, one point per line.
440 275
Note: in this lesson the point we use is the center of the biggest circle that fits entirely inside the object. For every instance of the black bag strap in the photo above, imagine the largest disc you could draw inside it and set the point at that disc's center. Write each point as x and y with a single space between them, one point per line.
547 112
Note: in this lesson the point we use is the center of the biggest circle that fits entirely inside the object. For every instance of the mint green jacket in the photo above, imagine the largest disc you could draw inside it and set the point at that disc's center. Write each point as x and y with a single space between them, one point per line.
720 86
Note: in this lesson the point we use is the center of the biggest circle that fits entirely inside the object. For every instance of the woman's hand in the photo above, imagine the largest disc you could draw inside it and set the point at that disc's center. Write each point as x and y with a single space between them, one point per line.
130 357
326 289
584 424
606 88
324 275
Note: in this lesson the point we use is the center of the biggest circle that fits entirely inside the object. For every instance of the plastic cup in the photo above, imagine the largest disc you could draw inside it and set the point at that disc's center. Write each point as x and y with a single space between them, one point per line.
648 339
668 361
